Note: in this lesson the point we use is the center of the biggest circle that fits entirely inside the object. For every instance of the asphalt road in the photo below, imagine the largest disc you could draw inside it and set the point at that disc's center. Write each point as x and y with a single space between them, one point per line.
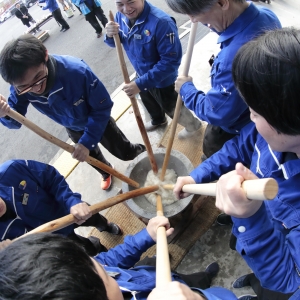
81 41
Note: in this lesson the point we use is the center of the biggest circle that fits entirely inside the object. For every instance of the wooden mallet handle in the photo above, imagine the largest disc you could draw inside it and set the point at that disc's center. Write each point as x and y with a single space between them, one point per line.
257 189
163 269
133 101
69 148
70 219
185 72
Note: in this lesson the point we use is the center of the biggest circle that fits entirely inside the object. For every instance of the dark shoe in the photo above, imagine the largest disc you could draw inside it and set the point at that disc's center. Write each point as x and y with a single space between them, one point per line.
224 219
149 126
203 157
62 29
65 29
212 269
241 282
113 229
99 35
141 149
248 297
98 247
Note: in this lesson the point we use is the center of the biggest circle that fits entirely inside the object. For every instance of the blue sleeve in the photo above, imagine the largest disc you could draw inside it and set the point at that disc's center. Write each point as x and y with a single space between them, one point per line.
273 257
50 180
238 149
170 54
221 105
110 41
100 105
49 4
126 255
18 104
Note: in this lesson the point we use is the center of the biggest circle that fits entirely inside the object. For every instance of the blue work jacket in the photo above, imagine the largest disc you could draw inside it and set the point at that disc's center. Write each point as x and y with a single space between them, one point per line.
140 281
222 105
152 46
269 240
78 100
37 193
50 4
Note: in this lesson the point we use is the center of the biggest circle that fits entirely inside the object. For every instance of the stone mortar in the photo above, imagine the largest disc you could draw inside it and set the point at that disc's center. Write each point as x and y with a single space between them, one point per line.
138 170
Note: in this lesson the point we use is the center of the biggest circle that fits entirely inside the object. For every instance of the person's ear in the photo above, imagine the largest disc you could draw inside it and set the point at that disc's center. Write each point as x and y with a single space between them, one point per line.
224 4
46 56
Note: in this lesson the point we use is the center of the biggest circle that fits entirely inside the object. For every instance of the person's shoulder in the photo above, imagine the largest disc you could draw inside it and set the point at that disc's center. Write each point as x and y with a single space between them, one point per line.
159 14
7 165
67 63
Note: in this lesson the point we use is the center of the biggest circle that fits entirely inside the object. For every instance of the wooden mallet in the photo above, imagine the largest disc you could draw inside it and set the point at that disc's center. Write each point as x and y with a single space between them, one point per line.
133 101
70 219
257 189
163 270
69 148
186 68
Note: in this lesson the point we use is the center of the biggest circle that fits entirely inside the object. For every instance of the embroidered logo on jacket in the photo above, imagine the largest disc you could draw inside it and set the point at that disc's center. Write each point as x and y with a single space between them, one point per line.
78 102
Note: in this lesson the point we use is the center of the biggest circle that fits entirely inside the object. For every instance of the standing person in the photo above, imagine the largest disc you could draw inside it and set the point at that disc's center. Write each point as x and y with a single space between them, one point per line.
33 193
236 22
66 90
64 5
266 72
92 9
151 41
47 266
23 14
56 12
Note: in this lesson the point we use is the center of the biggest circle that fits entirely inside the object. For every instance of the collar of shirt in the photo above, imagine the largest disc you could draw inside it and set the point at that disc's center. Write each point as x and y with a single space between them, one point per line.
239 24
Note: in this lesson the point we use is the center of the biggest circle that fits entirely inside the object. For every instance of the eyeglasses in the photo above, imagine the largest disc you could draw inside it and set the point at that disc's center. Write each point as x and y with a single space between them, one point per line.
37 83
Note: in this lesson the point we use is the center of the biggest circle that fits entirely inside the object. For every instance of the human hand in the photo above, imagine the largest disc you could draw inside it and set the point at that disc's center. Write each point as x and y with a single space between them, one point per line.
81 212
4 244
181 181
156 222
112 28
231 198
180 81
174 291
131 89
4 107
80 153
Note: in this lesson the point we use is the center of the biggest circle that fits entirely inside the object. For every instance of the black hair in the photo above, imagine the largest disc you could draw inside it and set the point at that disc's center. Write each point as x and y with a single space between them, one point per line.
266 72
192 7
19 55
48 266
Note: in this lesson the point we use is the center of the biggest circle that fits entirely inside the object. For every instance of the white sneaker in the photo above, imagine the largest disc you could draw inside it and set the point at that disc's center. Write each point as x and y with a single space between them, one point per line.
184 134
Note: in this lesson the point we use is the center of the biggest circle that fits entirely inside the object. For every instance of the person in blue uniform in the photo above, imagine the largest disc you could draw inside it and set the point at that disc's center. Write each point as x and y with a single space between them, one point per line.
34 193
150 39
266 72
236 22
43 265
56 12
65 89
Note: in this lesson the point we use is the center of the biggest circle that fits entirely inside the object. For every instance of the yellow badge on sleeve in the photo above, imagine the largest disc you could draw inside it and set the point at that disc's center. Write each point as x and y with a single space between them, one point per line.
22 185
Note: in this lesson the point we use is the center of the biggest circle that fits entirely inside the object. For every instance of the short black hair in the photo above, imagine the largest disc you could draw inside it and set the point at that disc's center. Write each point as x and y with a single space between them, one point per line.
19 55
266 72
192 7
48 266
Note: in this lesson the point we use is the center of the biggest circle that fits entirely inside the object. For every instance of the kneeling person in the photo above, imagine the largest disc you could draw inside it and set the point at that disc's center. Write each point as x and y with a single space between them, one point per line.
33 193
